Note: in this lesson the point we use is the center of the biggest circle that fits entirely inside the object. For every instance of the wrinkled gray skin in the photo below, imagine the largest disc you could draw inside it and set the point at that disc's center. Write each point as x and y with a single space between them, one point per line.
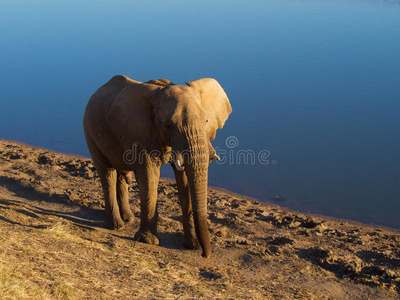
135 126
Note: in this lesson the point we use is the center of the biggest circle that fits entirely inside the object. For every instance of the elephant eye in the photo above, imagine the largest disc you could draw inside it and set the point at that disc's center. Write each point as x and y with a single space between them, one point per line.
206 121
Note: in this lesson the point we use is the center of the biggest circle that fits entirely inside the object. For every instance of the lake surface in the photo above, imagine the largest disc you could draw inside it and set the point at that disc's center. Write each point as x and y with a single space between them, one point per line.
314 85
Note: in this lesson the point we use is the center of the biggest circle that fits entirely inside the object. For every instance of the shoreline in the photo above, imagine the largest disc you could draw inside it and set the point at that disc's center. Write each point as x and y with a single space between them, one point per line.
51 223
227 190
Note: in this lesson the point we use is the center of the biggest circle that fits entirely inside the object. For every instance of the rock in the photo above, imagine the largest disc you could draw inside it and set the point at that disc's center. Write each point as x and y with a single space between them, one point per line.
15 156
147 273
242 241
211 273
281 241
374 270
349 265
222 232
273 250
253 211
217 215
345 265
340 233
309 223
318 253
45 160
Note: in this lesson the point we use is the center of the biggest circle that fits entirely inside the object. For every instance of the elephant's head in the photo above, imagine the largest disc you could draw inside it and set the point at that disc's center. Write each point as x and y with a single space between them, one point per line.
159 115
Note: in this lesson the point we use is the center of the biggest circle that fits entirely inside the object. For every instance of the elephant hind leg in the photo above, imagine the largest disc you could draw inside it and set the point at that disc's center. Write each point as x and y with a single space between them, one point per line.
108 177
109 183
123 198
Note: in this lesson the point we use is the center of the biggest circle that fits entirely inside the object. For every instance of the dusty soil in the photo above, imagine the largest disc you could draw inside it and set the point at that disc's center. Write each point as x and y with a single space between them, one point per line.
54 244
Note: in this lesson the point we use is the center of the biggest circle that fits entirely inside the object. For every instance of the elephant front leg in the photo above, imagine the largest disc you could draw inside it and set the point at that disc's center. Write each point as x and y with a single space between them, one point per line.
189 235
148 177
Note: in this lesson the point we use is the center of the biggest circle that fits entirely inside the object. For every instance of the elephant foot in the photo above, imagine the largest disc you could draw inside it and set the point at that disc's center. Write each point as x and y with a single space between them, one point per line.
128 219
191 243
114 224
146 237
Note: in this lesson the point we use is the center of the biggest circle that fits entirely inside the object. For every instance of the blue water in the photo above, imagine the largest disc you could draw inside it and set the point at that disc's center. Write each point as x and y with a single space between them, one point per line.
315 88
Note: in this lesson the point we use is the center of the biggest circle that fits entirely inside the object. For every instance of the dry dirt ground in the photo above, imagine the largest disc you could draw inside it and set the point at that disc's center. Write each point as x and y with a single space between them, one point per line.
54 244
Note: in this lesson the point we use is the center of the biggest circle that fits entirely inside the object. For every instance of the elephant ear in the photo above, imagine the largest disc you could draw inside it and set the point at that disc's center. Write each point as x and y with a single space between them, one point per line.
131 115
214 101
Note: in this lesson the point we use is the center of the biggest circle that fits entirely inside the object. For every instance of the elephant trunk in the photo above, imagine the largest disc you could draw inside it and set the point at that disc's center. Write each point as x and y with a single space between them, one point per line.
197 179
196 167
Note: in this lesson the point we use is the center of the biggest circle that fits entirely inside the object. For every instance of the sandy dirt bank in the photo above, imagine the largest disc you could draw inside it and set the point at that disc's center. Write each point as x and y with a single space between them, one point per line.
54 244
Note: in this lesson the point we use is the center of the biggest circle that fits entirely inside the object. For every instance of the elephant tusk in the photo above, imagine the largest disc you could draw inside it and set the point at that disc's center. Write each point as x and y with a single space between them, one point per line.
128 177
178 166
216 157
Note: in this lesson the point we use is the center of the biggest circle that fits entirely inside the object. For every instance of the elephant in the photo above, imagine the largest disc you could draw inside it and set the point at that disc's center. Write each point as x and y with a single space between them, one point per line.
135 127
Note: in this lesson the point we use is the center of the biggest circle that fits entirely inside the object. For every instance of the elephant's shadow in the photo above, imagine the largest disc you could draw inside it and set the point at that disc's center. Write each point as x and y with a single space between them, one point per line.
37 206
168 240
